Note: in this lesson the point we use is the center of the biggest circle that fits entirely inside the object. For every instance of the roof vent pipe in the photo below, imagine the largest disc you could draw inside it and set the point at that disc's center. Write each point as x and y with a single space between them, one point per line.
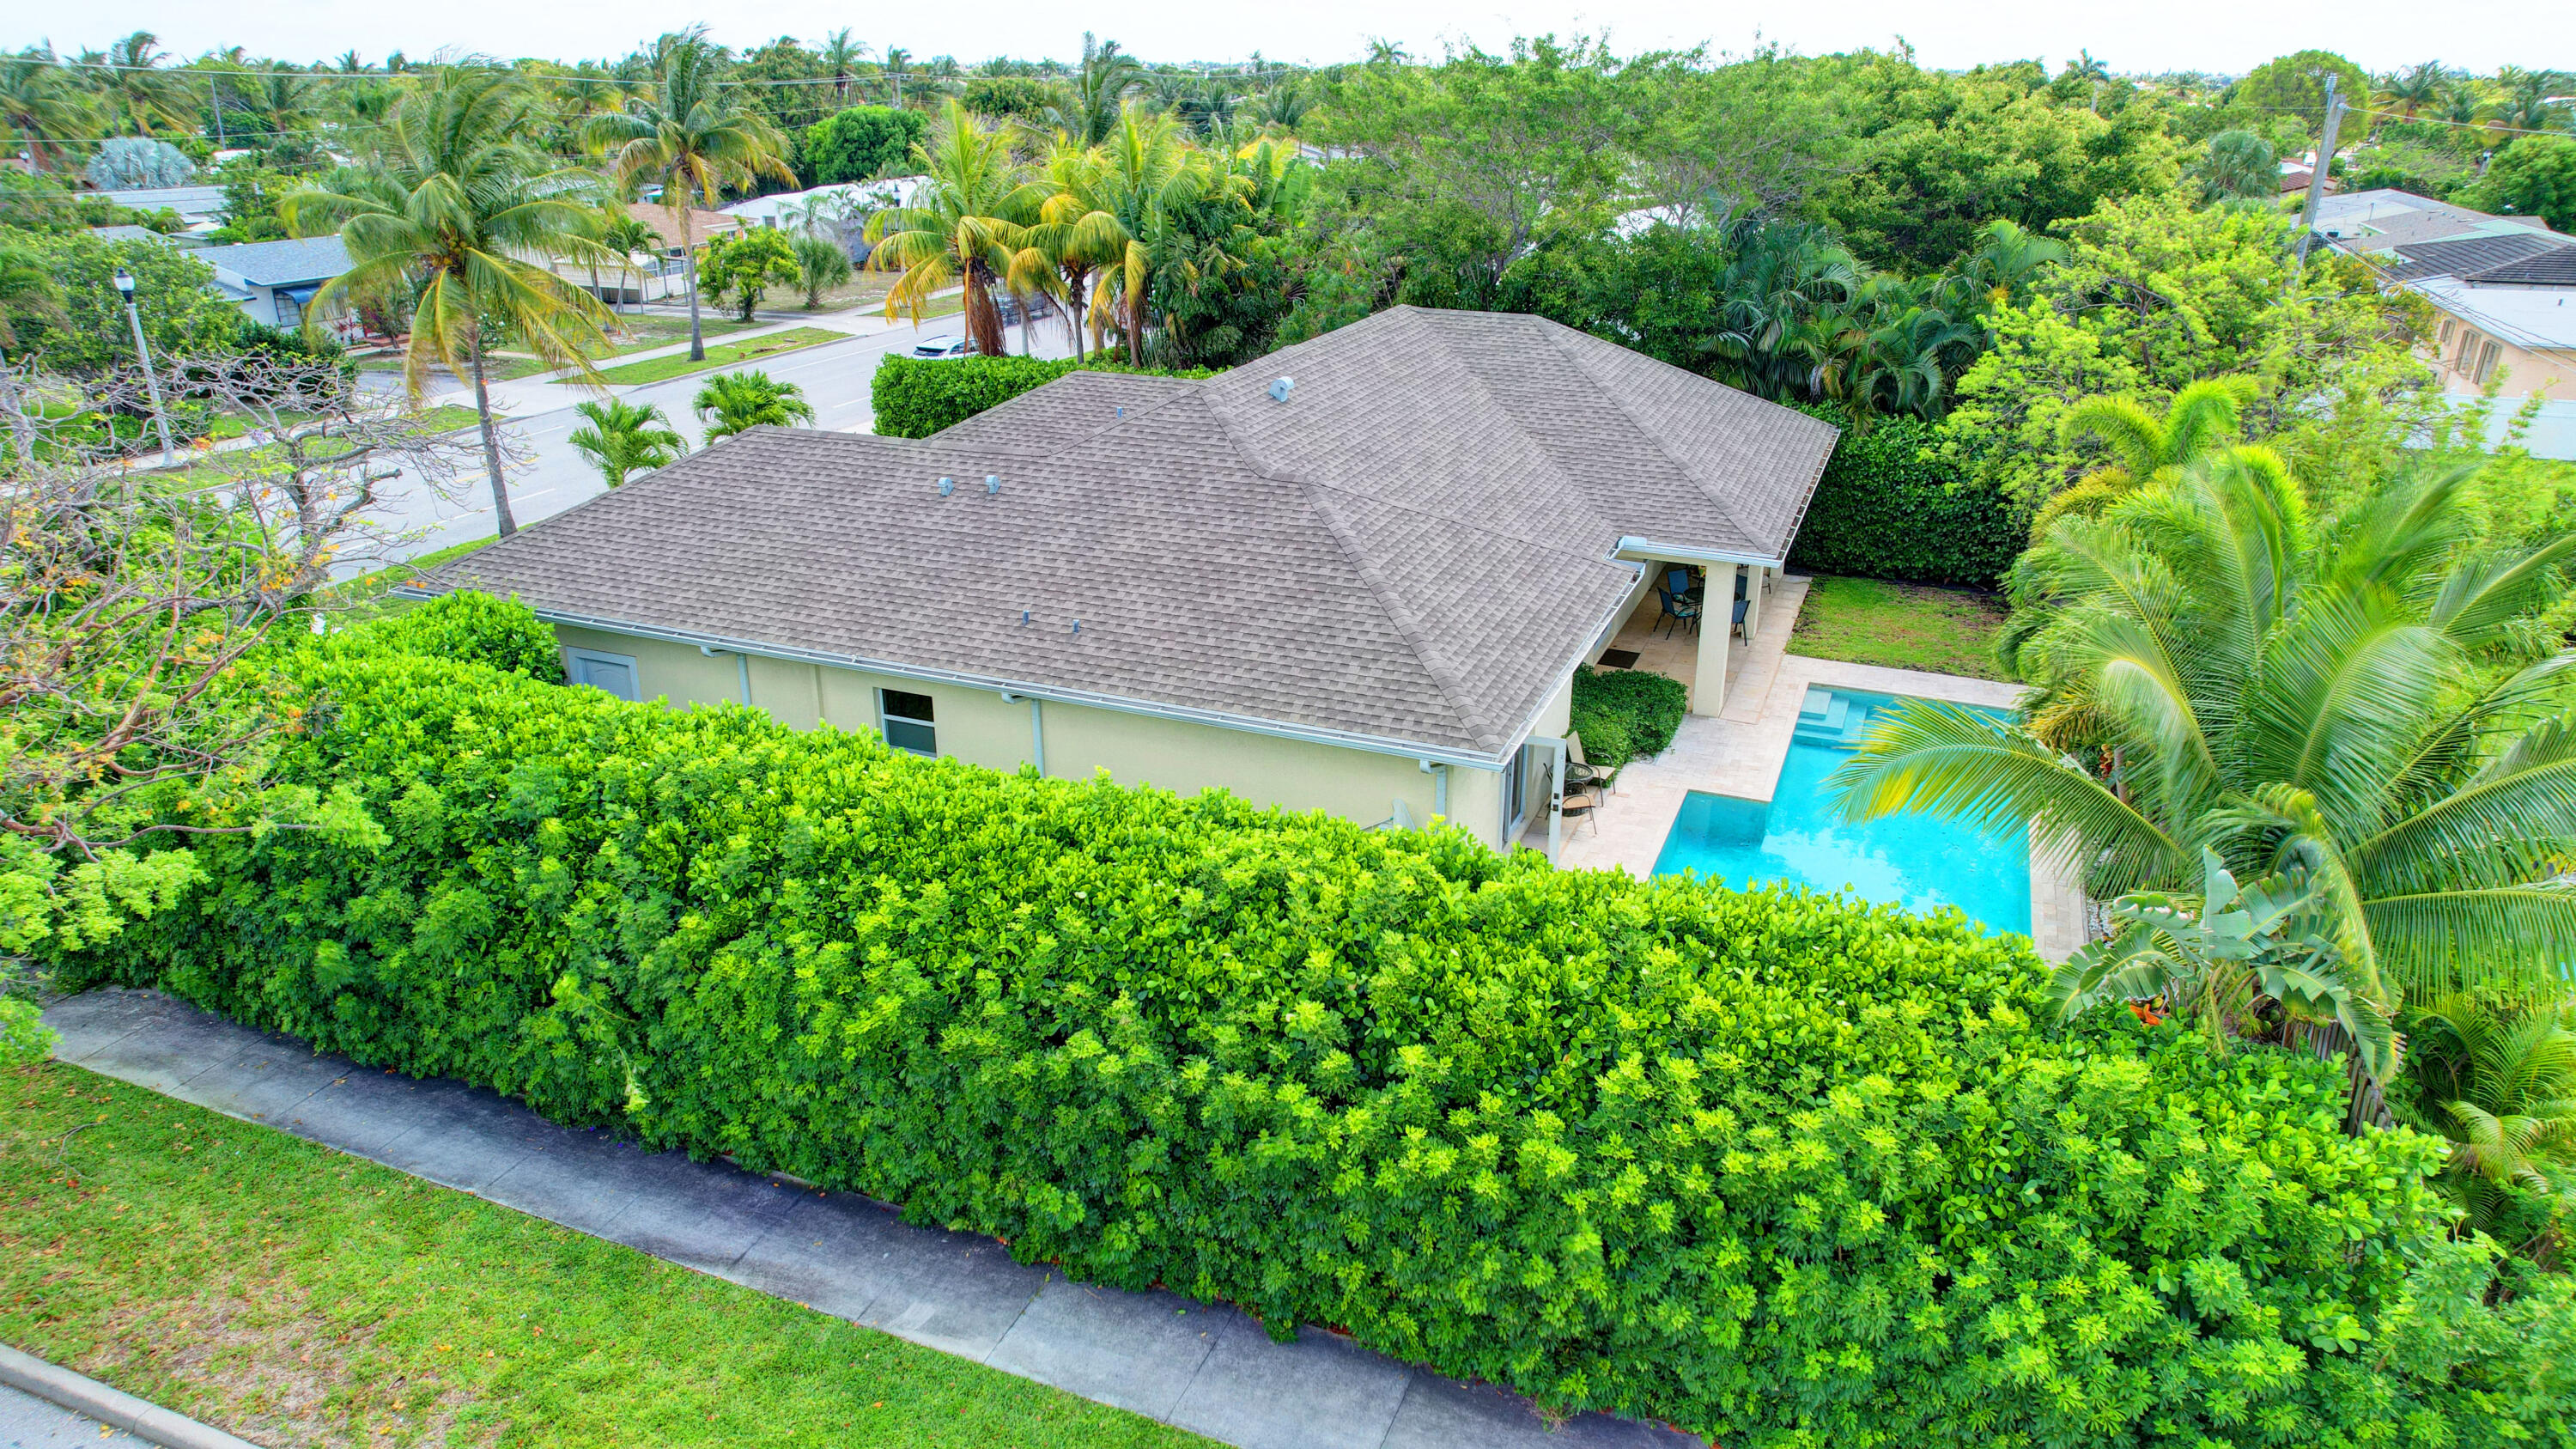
1281 387
992 483
947 486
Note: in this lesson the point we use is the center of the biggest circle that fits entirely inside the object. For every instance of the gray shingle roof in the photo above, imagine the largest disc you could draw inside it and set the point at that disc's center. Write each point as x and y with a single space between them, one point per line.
2555 267
1410 551
2464 255
280 263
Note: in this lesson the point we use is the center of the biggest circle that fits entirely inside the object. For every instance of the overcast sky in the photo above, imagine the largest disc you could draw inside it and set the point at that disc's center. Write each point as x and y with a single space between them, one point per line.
2208 35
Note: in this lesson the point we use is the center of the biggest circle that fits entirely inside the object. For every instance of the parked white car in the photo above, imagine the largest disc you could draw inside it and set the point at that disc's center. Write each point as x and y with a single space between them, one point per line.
941 346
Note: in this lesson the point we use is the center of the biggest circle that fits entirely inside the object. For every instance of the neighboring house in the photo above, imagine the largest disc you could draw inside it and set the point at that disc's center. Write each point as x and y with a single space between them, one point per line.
2503 284
1355 576
657 275
274 281
198 206
144 233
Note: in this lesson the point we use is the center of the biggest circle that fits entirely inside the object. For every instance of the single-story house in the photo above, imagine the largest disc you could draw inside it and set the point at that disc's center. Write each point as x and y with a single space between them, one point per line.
2503 285
199 207
656 274
1356 576
274 281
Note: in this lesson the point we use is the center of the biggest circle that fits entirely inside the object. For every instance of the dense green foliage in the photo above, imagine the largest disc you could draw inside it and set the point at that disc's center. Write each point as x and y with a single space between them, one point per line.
915 397
1784 1169
1886 510
468 627
183 315
862 143
2534 176
1625 714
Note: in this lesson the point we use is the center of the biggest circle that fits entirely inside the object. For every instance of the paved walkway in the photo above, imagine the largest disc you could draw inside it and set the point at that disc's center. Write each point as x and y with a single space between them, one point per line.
1205 1368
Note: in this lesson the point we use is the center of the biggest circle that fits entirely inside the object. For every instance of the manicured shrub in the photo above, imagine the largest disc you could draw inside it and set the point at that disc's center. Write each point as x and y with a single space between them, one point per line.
861 143
1883 511
1785 1169
1625 714
915 397
464 627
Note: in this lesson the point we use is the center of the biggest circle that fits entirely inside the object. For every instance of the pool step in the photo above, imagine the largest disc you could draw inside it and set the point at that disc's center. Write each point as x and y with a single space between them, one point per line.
1827 718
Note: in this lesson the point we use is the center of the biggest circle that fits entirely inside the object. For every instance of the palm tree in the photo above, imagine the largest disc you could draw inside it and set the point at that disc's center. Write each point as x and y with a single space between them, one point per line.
693 136
1096 93
840 56
144 97
2005 260
28 292
2349 713
1123 219
42 107
2146 450
1782 284
2240 166
732 402
820 266
968 222
627 237
624 437
2461 103
2414 88
2498 1078
896 60
453 209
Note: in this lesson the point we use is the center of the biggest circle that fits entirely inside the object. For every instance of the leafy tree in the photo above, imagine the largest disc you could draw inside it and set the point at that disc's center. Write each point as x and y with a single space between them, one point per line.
454 209
789 107
1018 98
1745 138
2352 713
2296 85
820 266
689 133
252 191
131 163
89 336
967 223
731 402
2239 166
621 438
2533 176
745 263
862 143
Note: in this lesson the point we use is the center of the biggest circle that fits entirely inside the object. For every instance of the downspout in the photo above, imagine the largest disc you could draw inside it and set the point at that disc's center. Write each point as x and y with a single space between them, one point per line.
741 665
1037 728
1439 774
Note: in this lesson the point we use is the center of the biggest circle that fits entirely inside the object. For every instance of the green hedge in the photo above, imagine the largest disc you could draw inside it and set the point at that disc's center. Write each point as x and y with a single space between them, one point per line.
1784 1169
1626 714
915 397
1882 511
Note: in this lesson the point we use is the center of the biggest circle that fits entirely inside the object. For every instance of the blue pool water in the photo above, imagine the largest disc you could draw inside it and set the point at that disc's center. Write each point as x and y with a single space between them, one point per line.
1918 861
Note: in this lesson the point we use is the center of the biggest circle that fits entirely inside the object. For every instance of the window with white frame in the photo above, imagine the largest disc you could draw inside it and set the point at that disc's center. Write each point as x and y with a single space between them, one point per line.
610 673
906 721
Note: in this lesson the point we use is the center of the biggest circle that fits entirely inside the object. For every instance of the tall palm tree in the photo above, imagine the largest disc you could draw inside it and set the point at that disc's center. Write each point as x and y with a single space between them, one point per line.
968 223
1146 177
897 61
2414 88
622 438
2347 712
691 134
143 97
1097 91
42 107
733 402
454 208
840 56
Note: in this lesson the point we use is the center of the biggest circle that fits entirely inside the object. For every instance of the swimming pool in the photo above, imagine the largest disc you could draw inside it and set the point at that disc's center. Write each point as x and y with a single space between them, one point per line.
1921 862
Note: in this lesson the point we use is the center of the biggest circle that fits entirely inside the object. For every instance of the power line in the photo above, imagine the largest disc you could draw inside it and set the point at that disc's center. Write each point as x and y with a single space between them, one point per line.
853 78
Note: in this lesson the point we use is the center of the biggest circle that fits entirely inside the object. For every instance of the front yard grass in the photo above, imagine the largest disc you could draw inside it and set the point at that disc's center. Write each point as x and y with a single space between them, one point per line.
1902 626
299 1297
661 368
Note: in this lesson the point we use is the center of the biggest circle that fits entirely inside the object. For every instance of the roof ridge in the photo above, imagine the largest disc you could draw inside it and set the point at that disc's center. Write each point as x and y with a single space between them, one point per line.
1649 434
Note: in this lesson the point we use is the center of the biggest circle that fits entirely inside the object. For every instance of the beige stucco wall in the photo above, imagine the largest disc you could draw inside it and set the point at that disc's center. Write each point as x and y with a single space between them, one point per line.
980 727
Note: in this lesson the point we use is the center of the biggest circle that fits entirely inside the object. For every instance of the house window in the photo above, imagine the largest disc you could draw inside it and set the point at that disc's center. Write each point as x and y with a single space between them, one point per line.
906 721
2486 362
1516 793
611 673
2449 326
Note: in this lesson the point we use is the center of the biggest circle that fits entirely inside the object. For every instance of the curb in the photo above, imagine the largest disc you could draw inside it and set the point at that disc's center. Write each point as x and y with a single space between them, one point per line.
114 1407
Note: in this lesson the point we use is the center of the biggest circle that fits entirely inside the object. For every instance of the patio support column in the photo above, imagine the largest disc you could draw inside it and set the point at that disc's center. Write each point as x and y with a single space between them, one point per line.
1753 602
1716 611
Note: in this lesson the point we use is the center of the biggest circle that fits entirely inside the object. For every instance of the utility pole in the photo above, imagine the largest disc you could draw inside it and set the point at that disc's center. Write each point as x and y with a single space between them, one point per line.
143 354
2317 178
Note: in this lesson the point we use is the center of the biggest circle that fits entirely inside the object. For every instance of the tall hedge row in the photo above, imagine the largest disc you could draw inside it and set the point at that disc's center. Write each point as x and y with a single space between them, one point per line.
915 397
1883 511
1781 1168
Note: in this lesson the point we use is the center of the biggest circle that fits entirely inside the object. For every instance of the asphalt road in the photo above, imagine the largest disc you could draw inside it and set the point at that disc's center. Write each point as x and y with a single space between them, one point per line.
834 376
28 1422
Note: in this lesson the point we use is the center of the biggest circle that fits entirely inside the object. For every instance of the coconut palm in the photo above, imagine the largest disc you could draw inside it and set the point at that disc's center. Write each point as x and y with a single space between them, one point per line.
2348 711
1098 90
2414 88
2497 1076
840 56
624 438
1138 184
42 107
732 402
968 222
141 96
2461 103
454 210
897 61
2240 166
691 134
628 237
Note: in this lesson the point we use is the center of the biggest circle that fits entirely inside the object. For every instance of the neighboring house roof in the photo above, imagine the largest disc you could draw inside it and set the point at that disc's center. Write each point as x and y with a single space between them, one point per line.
2539 318
2464 255
892 191
2553 267
194 203
127 233
1409 552
666 225
279 263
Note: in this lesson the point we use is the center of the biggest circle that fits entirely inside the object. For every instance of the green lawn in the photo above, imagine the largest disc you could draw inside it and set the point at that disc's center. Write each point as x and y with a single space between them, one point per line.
367 587
730 354
650 332
299 1297
1902 626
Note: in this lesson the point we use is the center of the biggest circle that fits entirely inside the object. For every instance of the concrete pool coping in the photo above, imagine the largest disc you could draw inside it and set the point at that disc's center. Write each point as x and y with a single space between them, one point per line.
1740 751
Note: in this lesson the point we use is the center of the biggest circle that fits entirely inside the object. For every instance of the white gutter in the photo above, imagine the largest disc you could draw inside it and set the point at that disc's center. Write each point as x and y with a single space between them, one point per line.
1686 554
1371 744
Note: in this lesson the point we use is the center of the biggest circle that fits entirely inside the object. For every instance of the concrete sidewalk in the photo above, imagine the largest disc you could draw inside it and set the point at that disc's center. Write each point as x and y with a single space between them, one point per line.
1202 1367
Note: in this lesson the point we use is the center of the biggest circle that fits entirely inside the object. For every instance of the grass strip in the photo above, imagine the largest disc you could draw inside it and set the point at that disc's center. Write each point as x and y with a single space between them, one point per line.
1901 626
661 369
299 1297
